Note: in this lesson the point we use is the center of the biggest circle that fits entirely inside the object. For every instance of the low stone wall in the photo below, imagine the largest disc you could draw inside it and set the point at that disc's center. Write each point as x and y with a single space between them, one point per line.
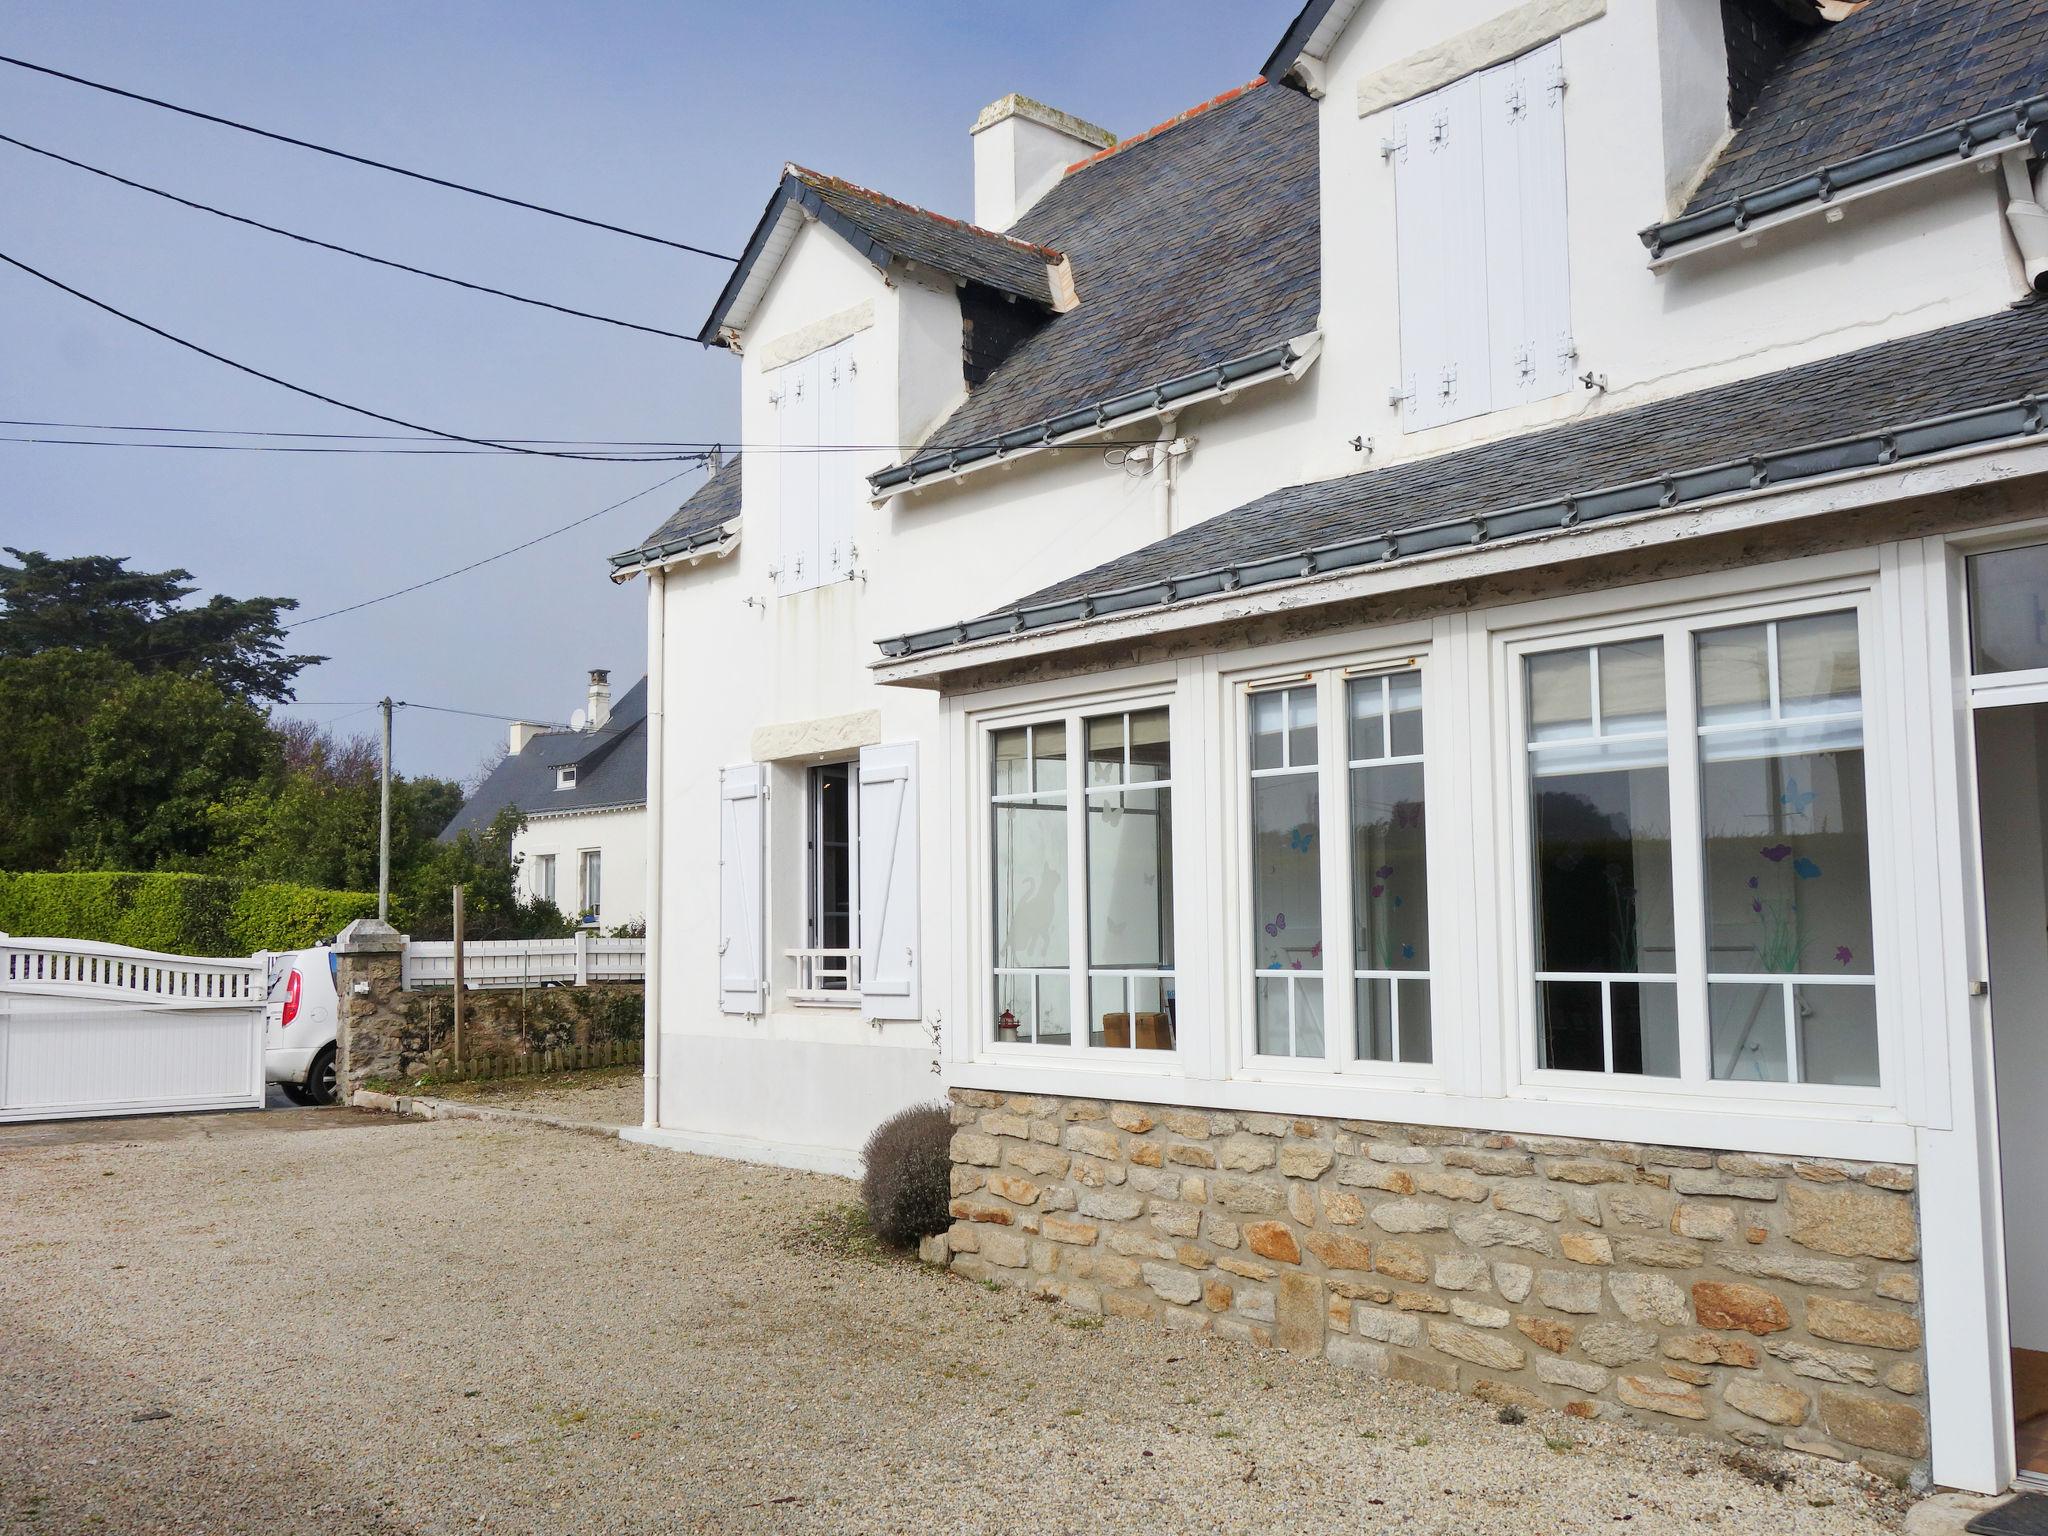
1771 1300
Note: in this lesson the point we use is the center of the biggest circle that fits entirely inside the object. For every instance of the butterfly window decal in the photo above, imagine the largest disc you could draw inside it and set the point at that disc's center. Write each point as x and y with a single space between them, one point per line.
1796 800
1277 926
1301 838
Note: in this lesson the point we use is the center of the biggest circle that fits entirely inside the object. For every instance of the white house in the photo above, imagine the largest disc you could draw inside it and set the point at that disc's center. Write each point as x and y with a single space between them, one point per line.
1453 776
583 792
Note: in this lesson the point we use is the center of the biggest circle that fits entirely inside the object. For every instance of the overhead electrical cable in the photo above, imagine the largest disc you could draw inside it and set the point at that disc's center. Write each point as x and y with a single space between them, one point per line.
379 165
401 453
588 517
314 394
328 245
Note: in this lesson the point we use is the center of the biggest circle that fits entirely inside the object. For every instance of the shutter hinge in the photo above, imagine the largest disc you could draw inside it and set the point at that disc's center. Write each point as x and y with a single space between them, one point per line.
1397 394
1393 145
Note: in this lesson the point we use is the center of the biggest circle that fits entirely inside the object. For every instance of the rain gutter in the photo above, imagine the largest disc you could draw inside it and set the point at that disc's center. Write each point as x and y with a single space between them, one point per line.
1737 218
693 546
1290 359
1965 429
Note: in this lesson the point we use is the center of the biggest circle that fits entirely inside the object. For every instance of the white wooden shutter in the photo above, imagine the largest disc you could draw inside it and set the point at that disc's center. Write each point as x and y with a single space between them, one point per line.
796 559
837 477
1440 243
742 911
1528 276
889 949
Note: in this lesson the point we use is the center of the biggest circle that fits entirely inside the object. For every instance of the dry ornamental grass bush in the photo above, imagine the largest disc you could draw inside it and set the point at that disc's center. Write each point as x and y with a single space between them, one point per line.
907 1182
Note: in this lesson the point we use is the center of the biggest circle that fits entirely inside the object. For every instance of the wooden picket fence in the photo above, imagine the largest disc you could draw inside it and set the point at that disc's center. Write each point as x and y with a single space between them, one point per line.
568 1058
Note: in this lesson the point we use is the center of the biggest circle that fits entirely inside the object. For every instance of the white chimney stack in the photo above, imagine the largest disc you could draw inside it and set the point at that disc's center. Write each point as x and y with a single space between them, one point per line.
599 708
522 732
1021 148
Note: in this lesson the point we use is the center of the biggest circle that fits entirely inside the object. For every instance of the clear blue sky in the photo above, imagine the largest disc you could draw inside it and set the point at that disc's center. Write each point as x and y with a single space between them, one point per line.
673 118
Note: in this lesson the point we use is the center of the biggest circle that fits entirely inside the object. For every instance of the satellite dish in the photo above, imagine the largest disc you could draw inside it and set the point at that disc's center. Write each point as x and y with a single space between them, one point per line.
576 721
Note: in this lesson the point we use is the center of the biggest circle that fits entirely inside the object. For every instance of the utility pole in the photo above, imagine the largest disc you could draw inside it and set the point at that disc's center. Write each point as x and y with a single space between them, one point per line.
384 821
458 976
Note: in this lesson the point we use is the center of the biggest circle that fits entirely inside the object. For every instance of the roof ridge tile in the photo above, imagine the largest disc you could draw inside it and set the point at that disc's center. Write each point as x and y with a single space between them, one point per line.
817 179
1172 122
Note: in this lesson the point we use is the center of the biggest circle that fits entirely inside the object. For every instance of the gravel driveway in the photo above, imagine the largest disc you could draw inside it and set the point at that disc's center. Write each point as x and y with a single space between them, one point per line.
352 1323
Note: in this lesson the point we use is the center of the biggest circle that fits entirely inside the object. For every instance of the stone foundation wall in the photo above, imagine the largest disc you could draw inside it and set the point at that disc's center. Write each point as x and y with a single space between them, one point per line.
1771 1300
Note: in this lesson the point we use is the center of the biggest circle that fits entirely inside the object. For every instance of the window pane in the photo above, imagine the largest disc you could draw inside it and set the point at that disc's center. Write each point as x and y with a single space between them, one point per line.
1570 1036
1746 1021
1301 727
1020 1020
1734 674
1031 884
1603 869
1154 1016
1367 709
1560 695
1130 878
1406 690
1389 868
1415 1033
1645 1023
1109 1013
2009 610
1106 750
1837 1034
1631 687
1268 727
1049 756
1271 997
1819 669
1151 754
1374 1024
1287 897
1008 772
1787 860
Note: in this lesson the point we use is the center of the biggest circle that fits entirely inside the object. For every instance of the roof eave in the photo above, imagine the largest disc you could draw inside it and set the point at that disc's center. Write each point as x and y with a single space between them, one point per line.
709 544
1742 217
1309 35
1879 449
1289 359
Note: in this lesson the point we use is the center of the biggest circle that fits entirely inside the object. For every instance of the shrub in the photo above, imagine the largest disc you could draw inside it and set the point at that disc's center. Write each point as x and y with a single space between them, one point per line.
176 914
908 1181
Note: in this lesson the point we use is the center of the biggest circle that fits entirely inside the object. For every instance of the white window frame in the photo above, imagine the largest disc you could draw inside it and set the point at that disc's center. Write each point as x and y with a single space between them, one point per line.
565 778
1073 714
584 904
1676 624
814 967
544 877
1402 649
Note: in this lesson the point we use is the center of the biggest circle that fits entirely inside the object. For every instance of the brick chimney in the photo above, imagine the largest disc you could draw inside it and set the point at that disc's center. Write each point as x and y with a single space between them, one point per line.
599 708
1021 147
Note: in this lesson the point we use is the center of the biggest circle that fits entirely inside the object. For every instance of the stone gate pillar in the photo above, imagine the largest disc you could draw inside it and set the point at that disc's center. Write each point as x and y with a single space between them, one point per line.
370 978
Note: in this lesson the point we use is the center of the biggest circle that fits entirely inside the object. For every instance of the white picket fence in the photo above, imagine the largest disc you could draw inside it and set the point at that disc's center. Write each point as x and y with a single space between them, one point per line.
577 961
100 1029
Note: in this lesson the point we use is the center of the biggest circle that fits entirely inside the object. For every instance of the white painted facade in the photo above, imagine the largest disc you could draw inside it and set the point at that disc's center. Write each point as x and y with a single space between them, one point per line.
1642 91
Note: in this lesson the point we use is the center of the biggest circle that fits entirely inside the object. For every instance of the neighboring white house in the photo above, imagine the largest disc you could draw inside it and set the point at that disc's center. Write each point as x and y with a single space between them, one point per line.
583 792
1616 426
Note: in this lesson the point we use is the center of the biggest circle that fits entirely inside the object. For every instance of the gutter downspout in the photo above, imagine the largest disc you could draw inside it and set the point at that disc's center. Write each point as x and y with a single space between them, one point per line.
657 720
1165 467
2027 218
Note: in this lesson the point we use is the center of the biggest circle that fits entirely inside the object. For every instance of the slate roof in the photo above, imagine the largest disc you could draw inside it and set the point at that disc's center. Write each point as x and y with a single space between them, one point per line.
1889 74
1706 443
710 507
882 229
611 770
1191 245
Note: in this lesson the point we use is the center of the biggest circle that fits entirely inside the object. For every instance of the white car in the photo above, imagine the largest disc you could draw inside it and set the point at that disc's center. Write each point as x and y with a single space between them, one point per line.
300 1018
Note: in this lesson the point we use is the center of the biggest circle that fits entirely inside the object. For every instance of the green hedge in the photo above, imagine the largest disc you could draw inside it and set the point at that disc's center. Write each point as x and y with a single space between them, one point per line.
177 914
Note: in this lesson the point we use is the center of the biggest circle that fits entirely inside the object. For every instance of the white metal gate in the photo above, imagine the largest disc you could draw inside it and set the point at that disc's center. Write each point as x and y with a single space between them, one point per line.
97 1029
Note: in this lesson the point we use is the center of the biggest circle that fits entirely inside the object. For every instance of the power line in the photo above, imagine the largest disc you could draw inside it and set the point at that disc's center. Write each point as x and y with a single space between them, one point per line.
325 245
379 165
300 389
402 453
487 559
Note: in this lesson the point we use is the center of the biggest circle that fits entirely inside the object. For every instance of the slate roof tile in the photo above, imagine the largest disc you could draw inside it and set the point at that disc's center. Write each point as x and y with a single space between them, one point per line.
712 505
611 770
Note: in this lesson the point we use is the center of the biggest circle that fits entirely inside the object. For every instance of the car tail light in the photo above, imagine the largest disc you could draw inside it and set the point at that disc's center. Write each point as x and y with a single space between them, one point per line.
291 998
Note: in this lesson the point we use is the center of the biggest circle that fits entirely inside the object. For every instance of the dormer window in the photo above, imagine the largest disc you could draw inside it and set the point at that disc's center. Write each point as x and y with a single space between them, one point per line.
565 778
1479 208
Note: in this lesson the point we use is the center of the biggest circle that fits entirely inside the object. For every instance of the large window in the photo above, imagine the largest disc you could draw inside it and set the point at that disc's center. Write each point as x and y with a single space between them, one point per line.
1338 924
590 882
827 968
1600 812
1736 948
1389 868
1287 871
544 877
1108 809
